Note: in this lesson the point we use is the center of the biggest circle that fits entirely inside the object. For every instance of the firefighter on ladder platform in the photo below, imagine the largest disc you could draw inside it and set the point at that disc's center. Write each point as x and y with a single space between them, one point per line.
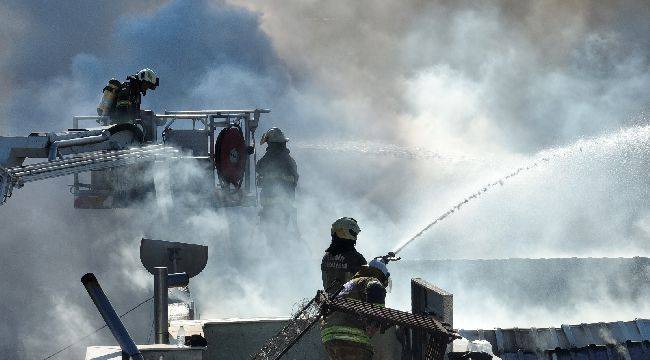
346 336
121 100
277 175
341 260
121 103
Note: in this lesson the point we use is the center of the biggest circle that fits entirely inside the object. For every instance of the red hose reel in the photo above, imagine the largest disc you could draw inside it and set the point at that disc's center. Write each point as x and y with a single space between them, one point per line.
230 156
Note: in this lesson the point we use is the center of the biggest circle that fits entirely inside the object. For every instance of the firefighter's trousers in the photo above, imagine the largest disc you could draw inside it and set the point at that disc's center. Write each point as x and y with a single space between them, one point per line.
346 350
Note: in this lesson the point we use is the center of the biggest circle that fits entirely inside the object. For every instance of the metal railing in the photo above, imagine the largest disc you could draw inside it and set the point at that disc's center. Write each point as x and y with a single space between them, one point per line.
439 334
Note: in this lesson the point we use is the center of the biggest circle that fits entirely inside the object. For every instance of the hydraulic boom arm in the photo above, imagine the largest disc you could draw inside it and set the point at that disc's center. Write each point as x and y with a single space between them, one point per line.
16 177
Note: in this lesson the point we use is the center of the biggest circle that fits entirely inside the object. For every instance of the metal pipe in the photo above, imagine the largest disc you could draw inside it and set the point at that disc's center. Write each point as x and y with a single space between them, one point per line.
54 147
103 120
247 171
211 141
180 116
87 117
217 112
110 317
160 302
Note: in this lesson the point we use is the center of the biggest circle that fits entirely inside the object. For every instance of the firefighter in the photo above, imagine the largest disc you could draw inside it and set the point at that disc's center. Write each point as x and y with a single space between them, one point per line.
341 260
277 175
121 100
346 336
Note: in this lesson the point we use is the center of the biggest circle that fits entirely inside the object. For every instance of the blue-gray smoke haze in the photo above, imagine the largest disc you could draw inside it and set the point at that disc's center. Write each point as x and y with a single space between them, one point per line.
396 111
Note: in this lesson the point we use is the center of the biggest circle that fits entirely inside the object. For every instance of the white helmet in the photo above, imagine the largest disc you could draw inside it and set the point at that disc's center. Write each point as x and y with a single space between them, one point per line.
346 228
381 266
378 264
149 76
273 135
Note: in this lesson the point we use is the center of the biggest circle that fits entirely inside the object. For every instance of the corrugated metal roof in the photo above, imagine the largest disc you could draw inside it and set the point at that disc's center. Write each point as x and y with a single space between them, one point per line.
615 340
626 351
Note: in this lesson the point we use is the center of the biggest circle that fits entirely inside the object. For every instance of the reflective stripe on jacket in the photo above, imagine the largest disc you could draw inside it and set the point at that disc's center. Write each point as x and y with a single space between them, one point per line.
349 327
346 333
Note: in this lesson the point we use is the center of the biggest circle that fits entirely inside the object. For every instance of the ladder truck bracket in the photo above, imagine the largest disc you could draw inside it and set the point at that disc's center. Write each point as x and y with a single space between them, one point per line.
7 182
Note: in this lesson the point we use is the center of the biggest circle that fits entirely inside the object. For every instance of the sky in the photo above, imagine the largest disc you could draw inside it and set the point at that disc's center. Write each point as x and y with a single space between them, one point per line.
396 112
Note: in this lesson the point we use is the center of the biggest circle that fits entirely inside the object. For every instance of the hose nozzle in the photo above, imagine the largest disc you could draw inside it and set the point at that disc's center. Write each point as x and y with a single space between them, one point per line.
388 257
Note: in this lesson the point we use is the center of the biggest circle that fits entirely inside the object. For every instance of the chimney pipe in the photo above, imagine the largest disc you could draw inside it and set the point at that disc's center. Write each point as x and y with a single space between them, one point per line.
162 281
160 301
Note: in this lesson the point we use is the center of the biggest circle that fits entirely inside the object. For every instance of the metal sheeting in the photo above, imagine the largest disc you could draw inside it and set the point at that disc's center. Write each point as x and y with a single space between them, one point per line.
628 351
614 340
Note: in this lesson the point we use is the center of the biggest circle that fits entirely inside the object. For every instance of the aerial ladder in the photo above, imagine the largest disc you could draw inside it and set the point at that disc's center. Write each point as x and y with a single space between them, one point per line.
72 152
226 159
16 177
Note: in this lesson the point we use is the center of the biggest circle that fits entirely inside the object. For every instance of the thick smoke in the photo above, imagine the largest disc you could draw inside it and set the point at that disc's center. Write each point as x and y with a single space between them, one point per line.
447 96
216 45
506 75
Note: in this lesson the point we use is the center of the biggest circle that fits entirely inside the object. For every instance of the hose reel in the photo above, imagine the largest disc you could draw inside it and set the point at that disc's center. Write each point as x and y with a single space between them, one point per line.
230 156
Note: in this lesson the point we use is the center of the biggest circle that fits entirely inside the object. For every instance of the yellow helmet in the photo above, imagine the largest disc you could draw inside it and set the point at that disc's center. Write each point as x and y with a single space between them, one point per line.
346 228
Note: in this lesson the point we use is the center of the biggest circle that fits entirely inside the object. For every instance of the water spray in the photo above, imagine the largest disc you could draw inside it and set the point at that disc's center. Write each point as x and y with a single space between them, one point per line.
623 136
380 149
466 200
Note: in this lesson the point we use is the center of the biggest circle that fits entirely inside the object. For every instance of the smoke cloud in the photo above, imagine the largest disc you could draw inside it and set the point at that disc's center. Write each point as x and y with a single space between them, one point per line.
396 111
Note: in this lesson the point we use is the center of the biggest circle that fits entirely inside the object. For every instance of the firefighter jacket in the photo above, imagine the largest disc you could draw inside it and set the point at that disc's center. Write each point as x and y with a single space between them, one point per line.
339 264
350 328
277 175
128 100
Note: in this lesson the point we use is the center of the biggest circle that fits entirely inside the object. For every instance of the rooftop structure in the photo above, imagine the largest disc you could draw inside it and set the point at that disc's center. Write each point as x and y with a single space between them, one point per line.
630 340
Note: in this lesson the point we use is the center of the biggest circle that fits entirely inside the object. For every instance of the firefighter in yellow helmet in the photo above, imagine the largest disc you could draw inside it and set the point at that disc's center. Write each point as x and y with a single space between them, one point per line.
277 175
341 260
121 100
346 336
